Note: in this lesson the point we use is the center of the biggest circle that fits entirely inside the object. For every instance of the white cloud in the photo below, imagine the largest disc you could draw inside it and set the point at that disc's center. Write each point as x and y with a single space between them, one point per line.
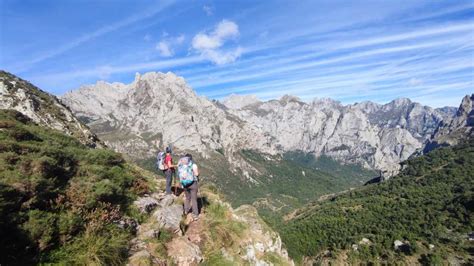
226 29
222 57
164 49
166 46
209 44
111 27
209 10
203 42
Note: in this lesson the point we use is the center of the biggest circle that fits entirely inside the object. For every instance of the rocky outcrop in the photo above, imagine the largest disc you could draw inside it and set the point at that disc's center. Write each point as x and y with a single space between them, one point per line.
146 204
255 243
183 252
159 109
42 108
458 128
169 217
261 240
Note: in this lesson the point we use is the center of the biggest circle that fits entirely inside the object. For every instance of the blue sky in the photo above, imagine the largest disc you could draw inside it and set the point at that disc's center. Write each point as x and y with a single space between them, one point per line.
350 51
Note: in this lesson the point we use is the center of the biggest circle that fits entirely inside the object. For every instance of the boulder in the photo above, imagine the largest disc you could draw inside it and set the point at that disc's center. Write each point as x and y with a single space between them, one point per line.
397 244
169 217
146 204
183 252
402 246
167 200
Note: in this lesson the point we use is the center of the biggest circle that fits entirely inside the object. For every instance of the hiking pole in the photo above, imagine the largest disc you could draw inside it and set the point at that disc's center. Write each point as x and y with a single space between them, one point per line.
198 193
175 184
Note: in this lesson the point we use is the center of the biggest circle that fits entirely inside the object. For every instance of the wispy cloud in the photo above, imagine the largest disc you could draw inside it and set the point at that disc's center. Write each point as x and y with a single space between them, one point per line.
93 35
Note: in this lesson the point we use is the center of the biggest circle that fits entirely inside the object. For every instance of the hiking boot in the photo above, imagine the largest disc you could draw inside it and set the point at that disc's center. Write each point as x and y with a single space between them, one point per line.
195 218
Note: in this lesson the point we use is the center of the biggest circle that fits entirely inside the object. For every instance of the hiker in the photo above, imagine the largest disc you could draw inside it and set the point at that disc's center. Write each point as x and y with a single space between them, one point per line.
188 173
168 170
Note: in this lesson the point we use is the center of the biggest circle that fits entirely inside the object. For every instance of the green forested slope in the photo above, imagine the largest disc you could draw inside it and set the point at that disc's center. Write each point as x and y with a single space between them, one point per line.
430 202
60 201
282 183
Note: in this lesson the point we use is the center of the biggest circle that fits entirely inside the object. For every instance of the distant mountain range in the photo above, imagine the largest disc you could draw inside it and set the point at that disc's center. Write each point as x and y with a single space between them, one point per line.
159 109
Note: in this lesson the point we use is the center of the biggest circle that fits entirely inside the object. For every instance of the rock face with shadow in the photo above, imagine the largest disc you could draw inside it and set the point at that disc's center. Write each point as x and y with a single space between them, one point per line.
458 128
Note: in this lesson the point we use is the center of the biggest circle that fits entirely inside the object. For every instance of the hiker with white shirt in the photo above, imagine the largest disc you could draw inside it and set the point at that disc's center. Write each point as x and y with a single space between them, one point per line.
188 173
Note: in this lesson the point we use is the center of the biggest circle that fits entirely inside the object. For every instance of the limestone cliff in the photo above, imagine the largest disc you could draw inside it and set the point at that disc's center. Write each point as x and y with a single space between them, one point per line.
159 109
43 108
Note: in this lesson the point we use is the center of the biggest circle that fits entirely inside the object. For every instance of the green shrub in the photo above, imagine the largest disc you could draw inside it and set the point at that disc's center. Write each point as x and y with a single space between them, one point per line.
216 258
104 157
60 200
94 249
41 227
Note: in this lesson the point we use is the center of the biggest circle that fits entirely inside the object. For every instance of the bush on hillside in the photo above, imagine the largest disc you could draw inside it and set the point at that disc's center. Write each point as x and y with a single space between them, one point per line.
59 200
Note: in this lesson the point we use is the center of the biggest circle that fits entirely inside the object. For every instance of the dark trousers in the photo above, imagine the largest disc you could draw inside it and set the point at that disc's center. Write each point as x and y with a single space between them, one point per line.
191 199
169 178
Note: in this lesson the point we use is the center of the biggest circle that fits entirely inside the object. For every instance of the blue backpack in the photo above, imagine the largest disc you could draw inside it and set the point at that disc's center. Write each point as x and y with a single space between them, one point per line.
185 172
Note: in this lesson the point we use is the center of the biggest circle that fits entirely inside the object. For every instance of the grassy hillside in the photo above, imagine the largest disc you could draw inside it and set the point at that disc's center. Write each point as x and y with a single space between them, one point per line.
282 183
429 203
60 201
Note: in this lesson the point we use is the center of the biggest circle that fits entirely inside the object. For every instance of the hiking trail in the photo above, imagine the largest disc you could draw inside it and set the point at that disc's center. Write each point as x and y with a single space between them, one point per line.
220 236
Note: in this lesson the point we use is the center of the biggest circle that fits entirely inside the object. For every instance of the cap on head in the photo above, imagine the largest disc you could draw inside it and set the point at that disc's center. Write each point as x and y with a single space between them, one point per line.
168 149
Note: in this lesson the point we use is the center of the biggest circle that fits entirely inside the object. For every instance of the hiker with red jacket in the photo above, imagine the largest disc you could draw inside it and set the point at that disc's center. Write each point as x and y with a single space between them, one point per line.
169 170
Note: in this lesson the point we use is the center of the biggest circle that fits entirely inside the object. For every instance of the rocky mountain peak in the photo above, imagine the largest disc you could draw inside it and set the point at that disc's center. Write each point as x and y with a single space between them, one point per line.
42 108
402 101
285 99
456 129
236 101
158 110
326 104
157 85
159 78
466 110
